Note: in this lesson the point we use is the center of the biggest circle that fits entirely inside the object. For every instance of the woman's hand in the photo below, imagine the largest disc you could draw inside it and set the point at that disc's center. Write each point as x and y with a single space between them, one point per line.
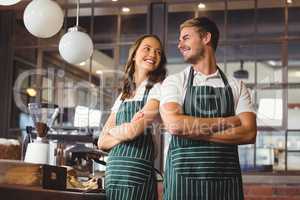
140 121
121 132
139 115
106 141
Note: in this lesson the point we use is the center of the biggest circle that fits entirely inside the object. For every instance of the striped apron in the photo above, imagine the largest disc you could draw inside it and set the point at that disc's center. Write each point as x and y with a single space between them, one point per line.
200 170
130 166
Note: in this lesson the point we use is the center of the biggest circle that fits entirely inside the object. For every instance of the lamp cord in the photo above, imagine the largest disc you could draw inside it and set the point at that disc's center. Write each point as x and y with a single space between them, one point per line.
77 14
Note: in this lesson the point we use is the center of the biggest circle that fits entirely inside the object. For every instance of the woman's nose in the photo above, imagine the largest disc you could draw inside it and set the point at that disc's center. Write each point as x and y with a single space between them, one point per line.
152 53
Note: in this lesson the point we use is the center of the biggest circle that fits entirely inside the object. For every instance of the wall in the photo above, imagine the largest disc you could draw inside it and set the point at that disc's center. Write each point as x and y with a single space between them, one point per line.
6 54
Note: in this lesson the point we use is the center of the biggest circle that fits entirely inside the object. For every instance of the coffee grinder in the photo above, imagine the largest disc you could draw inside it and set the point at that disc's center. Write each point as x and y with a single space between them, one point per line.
43 116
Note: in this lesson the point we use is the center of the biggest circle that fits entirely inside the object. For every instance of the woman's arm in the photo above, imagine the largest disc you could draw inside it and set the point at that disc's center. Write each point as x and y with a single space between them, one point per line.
106 141
129 131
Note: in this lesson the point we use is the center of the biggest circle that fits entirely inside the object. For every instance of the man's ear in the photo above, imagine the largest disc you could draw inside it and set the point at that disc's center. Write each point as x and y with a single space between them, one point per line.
207 38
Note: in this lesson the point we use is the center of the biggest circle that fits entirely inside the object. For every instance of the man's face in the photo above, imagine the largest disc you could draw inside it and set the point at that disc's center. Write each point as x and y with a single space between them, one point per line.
191 45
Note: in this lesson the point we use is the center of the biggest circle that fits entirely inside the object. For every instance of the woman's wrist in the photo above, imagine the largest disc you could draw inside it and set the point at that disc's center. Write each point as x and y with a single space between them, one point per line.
121 132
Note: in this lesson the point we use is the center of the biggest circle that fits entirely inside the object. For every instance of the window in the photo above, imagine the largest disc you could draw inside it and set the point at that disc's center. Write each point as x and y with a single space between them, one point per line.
252 39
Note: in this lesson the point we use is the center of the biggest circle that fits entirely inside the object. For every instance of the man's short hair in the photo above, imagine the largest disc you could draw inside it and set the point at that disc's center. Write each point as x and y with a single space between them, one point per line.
204 25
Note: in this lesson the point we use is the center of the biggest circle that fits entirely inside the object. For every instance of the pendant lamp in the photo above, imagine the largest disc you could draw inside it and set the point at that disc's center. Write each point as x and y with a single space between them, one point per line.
76 46
8 2
43 18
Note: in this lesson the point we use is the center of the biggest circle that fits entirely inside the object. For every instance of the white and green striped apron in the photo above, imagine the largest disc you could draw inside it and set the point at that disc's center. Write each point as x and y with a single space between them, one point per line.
200 170
130 166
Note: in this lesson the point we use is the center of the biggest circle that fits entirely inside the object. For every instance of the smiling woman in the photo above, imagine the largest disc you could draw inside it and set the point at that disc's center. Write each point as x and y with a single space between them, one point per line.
127 133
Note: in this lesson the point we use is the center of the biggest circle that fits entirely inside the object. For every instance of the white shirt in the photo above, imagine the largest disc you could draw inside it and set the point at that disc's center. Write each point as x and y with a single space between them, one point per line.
154 93
174 89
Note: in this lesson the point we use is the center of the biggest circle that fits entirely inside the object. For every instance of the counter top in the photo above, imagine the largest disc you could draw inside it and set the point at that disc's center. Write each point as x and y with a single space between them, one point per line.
18 192
271 179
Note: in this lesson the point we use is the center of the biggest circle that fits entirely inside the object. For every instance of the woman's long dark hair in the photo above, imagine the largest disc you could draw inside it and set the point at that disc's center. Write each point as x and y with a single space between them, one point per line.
158 75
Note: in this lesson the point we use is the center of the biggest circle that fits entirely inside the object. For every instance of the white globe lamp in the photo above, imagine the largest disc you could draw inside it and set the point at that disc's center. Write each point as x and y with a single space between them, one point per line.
75 46
8 2
43 18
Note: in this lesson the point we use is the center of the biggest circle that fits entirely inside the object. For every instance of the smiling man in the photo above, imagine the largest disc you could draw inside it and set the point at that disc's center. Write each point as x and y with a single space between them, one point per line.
208 116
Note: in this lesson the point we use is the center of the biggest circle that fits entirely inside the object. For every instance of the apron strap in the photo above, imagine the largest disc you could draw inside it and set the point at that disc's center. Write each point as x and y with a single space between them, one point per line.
223 76
189 90
228 88
145 96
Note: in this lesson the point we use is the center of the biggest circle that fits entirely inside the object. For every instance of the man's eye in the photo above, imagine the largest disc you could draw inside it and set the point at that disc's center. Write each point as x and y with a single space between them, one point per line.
187 37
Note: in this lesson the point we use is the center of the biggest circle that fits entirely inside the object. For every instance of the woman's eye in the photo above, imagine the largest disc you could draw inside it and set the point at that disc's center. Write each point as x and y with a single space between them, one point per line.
147 48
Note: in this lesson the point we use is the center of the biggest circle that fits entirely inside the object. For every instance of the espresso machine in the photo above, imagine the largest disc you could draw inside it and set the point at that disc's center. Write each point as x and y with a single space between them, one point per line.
43 116
57 145
61 153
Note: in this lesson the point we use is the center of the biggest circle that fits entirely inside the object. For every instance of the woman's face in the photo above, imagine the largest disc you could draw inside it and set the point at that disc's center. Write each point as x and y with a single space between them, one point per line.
148 54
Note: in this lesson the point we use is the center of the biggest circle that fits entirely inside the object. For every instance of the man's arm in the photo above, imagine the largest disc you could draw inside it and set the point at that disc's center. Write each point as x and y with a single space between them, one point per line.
106 141
129 131
244 134
180 124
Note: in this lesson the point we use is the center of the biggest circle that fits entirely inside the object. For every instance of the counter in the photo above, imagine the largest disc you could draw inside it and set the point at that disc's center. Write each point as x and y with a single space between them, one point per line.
17 192
272 186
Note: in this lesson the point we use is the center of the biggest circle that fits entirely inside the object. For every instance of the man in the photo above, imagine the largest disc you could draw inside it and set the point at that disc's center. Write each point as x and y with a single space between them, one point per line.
208 115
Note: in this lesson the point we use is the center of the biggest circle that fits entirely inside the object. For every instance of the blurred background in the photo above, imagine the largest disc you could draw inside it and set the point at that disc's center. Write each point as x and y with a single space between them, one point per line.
261 37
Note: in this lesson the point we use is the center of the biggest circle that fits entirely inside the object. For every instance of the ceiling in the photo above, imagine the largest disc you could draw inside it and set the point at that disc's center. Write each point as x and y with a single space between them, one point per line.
238 26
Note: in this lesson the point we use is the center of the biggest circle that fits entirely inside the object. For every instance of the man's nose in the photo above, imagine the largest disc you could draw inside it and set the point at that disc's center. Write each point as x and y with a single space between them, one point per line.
179 45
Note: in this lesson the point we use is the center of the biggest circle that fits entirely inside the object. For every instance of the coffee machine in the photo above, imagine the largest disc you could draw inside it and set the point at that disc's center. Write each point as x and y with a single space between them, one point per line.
43 116
54 148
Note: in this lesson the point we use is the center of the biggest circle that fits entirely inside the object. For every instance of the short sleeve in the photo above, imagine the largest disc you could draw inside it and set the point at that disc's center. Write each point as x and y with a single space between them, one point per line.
116 105
244 101
172 90
155 92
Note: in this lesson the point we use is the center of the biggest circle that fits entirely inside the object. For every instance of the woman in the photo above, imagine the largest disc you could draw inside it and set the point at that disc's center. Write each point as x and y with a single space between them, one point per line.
130 172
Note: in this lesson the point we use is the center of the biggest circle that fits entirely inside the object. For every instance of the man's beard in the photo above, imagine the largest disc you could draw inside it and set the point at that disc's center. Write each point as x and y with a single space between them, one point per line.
193 59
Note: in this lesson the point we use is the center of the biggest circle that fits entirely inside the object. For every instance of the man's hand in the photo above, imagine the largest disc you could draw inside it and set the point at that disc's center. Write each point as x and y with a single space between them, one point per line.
225 123
233 121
